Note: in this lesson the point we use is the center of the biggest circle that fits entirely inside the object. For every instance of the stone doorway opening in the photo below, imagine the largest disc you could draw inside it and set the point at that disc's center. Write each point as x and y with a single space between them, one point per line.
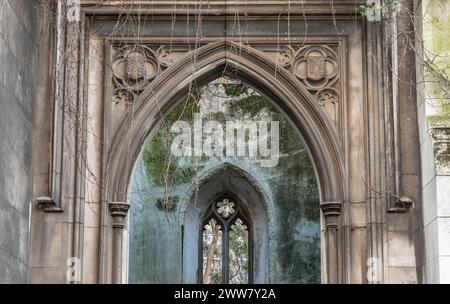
224 140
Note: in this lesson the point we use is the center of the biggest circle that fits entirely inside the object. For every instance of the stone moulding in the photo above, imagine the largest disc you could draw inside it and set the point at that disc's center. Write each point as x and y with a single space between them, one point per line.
118 211
331 212
218 8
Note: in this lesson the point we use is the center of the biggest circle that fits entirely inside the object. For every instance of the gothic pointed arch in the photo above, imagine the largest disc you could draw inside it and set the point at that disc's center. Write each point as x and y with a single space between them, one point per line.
229 181
261 72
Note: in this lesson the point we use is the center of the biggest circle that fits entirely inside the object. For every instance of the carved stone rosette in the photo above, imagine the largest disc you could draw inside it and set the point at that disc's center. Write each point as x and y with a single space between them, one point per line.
225 208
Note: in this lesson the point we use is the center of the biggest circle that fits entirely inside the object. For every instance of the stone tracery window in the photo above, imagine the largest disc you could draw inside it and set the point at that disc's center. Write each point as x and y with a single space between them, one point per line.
226 244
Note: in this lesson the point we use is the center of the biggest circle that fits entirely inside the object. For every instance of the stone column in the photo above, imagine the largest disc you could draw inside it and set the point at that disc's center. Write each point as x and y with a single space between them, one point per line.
331 212
118 212
408 144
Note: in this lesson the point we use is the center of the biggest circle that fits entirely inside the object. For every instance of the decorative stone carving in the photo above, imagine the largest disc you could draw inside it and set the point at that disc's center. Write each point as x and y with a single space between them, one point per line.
48 204
402 205
316 67
123 96
328 95
285 57
331 212
166 56
320 69
225 208
118 212
134 67
441 147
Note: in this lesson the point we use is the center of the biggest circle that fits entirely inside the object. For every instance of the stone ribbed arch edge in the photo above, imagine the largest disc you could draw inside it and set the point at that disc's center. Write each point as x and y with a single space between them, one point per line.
253 67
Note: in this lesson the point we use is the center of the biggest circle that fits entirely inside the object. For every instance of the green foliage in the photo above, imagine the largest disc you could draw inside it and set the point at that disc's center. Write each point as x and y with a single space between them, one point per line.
156 155
239 254
377 9
235 89
161 166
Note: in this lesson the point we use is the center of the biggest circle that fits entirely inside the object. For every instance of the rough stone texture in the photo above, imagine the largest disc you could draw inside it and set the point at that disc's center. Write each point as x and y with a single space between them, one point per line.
18 40
435 189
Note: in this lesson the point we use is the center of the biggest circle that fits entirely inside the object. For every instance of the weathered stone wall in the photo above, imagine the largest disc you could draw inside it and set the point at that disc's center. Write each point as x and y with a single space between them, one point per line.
18 41
434 125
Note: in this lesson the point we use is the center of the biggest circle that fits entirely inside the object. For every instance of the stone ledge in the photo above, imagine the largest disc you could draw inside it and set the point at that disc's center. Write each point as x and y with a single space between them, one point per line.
48 204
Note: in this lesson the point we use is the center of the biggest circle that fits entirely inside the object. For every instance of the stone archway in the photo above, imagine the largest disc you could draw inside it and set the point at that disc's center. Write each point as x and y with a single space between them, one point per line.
233 180
257 69
348 120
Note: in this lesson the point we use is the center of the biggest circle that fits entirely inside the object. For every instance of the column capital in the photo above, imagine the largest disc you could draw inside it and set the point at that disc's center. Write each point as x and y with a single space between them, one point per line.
119 211
331 211
331 208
